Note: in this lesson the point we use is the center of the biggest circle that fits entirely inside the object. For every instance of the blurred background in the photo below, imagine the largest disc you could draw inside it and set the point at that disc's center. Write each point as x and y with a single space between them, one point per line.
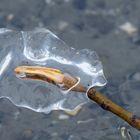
112 29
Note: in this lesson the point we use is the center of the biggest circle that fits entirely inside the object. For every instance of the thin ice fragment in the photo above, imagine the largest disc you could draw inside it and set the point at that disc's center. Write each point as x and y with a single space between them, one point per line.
41 47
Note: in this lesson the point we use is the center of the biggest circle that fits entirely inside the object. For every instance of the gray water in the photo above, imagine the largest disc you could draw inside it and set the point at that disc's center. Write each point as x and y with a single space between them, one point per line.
92 24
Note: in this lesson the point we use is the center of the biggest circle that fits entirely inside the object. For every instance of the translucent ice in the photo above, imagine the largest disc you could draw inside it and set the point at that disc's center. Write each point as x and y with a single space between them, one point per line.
42 48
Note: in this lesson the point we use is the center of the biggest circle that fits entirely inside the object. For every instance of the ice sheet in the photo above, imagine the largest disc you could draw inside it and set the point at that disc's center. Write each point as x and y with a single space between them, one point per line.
41 47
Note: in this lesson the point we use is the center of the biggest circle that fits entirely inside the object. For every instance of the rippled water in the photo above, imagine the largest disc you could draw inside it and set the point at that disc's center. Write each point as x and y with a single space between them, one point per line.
90 24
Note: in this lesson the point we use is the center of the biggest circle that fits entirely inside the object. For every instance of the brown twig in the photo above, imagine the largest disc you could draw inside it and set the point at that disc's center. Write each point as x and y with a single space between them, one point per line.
109 105
67 81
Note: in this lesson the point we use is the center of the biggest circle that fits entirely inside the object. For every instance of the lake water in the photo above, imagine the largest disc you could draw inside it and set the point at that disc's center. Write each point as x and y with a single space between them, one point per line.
111 28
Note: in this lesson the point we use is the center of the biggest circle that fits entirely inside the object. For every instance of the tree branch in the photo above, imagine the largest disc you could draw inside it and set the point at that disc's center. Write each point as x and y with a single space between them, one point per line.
109 105
66 81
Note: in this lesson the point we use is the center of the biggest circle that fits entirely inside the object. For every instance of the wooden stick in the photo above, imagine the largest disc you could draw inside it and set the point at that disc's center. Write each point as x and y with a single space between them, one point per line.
106 103
66 81
109 105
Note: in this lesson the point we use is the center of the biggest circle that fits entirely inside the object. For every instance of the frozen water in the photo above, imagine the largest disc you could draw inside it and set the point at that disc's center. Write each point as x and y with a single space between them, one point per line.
41 47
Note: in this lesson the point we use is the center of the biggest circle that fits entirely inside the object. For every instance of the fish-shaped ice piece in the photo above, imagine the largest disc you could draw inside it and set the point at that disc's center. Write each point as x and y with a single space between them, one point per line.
41 47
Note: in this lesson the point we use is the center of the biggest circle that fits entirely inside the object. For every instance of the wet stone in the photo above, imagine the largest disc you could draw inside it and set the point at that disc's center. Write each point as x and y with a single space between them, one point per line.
128 7
18 22
134 76
2 21
64 137
79 26
100 4
26 135
74 137
42 135
136 39
79 4
104 24
2 115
